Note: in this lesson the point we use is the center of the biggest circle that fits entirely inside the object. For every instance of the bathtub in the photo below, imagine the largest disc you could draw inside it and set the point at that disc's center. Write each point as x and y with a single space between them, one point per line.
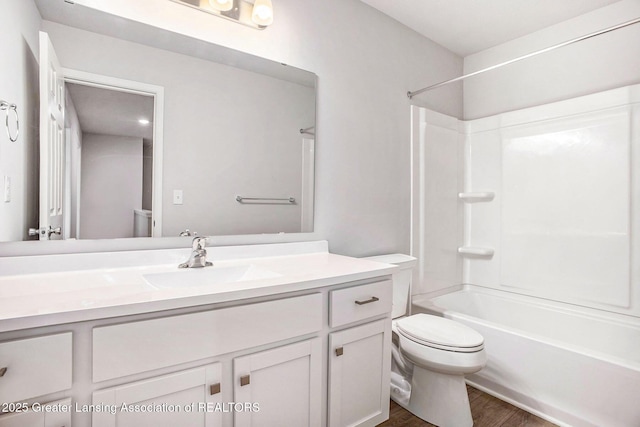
568 365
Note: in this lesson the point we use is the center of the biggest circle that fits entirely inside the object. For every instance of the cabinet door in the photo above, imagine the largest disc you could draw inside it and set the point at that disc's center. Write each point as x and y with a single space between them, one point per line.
185 399
54 414
24 419
279 387
359 371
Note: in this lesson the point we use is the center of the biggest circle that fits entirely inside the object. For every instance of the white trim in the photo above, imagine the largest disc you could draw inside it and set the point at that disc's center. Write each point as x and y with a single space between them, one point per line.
66 209
308 184
131 86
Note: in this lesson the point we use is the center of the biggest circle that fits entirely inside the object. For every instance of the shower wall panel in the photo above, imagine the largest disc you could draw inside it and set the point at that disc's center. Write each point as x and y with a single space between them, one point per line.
437 217
561 222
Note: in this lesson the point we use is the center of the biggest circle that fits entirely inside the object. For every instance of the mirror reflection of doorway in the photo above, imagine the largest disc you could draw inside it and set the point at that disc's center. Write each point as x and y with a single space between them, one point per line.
110 163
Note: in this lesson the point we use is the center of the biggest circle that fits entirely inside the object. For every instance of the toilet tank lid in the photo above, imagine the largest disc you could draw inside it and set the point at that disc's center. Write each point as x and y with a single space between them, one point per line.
402 260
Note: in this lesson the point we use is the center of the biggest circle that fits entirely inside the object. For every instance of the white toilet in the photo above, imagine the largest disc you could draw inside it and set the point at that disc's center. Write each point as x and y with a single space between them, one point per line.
431 356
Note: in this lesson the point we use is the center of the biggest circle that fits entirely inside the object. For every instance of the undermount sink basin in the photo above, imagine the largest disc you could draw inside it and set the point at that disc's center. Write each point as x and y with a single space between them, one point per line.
207 276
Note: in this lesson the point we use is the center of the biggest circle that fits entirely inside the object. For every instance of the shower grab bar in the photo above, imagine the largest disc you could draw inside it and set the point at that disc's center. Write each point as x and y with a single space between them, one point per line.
241 199
529 55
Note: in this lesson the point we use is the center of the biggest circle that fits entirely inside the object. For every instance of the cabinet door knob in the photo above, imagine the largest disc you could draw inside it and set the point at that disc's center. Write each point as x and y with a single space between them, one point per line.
339 351
3 371
245 380
214 389
372 299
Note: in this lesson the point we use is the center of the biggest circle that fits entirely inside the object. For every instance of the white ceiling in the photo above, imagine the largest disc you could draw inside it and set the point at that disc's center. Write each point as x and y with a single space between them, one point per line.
112 112
469 26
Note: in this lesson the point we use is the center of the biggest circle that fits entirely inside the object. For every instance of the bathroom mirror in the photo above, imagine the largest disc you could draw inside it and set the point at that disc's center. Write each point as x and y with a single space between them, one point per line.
236 131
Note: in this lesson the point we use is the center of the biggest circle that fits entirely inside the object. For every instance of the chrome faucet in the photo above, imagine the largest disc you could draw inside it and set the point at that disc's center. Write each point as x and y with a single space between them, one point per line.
198 258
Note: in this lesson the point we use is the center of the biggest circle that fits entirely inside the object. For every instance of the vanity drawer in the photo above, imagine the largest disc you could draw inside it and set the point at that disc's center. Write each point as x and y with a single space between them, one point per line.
35 367
135 347
360 302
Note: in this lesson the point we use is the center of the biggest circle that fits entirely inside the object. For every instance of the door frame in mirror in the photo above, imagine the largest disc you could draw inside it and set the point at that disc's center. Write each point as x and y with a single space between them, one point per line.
138 88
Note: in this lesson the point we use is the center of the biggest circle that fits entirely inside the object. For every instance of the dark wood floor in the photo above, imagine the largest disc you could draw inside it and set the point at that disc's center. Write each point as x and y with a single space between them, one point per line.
487 411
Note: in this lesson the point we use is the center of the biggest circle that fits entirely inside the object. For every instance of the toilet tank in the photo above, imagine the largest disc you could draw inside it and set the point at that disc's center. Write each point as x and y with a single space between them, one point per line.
401 280
141 223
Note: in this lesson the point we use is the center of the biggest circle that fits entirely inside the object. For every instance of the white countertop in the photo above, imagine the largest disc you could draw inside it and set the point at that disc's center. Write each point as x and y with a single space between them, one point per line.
71 295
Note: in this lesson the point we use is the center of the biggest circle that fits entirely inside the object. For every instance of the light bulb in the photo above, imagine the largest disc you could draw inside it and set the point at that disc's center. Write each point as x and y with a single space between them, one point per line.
262 12
221 5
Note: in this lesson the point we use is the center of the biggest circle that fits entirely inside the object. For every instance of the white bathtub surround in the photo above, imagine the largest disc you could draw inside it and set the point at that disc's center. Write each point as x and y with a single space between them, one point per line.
437 156
564 193
556 233
570 365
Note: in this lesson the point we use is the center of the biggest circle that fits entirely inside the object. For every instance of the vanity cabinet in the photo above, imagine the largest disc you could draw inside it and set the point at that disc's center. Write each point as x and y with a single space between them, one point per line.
360 356
52 414
190 398
264 361
135 347
277 386
34 367
284 384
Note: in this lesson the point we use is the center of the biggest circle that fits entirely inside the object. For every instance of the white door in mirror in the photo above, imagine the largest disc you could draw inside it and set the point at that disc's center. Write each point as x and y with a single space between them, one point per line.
52 140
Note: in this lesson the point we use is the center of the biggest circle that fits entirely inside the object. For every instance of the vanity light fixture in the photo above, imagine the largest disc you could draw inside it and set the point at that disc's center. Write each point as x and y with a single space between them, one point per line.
221 5
256 14
144 122
262 13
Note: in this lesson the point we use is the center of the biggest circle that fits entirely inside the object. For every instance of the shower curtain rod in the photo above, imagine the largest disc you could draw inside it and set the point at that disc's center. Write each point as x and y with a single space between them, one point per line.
529 55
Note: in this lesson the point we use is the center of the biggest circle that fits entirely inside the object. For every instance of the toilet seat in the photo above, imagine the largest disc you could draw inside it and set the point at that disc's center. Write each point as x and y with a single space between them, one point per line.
440 333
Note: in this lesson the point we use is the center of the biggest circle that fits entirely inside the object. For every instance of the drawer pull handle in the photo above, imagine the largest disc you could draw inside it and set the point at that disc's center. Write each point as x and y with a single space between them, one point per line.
245 380
372 299
214 389
3 371
339 351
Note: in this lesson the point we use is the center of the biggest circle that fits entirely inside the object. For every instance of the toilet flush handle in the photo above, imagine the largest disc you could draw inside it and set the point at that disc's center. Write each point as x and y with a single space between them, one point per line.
370 300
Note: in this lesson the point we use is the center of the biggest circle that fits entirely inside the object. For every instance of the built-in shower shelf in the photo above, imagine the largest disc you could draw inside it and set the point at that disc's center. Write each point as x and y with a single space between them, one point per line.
474 197
475 251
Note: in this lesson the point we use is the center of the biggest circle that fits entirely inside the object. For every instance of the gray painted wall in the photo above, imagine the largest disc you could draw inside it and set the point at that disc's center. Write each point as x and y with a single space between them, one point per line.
111 185
227 132
366 63
20 22
601 63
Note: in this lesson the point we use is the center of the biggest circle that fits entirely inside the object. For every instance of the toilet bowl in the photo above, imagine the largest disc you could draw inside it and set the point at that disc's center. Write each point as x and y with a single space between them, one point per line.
431 355
441 353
